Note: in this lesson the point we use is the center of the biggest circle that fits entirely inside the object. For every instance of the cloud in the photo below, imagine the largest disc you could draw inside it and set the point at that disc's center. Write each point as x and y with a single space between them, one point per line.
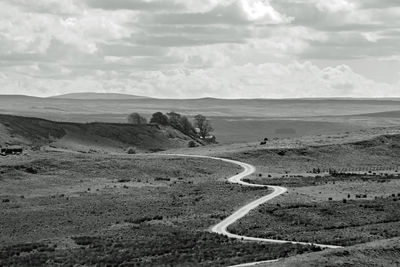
29 32
189 48
381 4
270 80
334 6
156 5
224 13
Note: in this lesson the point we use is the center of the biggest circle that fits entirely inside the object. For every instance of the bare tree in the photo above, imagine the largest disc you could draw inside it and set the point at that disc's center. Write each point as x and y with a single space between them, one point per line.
203 125
136 118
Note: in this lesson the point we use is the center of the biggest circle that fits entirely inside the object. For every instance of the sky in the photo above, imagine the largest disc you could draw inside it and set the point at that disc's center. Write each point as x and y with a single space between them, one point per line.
201 48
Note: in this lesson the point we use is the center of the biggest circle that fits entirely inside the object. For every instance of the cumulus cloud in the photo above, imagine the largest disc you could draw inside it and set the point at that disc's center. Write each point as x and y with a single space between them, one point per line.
334 6
191 48
269 80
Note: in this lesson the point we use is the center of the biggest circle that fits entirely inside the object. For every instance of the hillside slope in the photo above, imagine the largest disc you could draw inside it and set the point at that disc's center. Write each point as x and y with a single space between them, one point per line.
378 253
257 108
35 132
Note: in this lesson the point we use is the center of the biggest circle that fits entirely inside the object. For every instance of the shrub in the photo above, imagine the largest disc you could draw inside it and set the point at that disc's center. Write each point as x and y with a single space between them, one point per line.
162 179
159 118
136 118
131 150
192 144
31 170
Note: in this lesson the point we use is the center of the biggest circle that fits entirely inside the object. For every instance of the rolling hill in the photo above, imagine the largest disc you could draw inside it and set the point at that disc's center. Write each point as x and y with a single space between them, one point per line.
261 108
234 120
98 96
117 137
377 253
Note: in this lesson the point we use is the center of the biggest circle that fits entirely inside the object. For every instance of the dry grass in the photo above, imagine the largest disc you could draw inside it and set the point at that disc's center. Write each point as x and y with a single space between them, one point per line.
384 253
144 210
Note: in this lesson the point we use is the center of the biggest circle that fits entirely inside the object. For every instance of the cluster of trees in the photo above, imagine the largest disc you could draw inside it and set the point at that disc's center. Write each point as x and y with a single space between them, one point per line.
136 118
201 126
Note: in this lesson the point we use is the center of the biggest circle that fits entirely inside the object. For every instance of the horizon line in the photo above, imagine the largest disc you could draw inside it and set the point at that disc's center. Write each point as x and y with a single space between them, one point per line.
206 97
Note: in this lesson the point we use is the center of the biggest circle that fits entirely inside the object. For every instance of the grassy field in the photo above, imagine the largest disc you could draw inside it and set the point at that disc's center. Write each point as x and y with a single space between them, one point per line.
343 223
59 208
260 108
242 120
384 253
238 129
97 137
357 202
379 152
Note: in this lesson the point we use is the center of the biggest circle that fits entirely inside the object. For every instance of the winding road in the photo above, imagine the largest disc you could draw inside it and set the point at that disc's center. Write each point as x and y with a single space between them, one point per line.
222 227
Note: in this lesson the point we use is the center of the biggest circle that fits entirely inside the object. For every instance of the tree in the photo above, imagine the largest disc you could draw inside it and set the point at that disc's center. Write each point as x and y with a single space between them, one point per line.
187 127
203 125
175 120
159 118
136 118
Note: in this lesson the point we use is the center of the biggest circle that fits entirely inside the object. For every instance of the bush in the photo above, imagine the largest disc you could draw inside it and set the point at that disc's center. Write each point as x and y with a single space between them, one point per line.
136 118
31 170
131 150
159 118
162 179
192 144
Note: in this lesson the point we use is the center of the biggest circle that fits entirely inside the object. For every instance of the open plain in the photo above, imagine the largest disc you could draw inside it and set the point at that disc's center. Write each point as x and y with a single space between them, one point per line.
76 197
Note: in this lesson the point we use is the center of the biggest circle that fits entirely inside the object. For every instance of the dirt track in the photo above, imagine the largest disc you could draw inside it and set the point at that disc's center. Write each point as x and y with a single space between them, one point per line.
221 228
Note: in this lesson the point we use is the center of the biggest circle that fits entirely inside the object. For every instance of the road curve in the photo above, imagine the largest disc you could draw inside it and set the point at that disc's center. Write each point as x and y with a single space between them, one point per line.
222 227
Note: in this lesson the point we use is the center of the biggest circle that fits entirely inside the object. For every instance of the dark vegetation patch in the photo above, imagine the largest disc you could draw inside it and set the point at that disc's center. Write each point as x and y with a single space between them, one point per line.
146 226
144 219
17 250
38 132
19 168
115 168
155 246
299 181
334 222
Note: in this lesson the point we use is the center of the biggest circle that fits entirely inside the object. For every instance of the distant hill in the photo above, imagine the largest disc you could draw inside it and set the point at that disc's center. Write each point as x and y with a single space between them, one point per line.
114 137
388 114
98 96
60 107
